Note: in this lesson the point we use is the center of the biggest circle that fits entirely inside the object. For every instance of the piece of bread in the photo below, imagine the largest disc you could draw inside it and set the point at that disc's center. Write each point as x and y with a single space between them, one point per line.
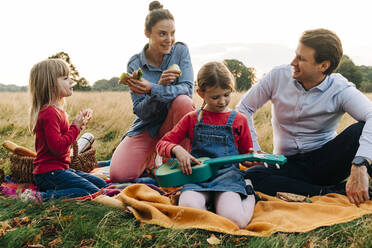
125 76
22 151
10 146
19 150
290 197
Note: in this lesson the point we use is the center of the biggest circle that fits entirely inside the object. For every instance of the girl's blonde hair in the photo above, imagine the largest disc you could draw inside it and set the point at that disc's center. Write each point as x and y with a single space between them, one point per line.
43 86
215 74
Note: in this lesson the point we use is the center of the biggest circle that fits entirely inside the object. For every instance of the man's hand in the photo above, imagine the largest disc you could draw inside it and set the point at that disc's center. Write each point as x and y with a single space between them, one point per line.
250 164
184 158
357 185
139 86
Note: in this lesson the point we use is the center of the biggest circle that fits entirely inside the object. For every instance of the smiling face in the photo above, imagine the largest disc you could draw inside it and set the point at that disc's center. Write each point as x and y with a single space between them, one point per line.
162 36
65 84
305 69
216 99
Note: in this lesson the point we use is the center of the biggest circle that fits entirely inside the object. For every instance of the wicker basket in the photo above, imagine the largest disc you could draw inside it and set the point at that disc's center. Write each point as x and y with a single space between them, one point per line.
85 161
21 167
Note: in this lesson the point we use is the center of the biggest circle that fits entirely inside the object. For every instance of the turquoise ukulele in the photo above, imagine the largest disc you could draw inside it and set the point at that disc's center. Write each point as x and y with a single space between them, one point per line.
169 174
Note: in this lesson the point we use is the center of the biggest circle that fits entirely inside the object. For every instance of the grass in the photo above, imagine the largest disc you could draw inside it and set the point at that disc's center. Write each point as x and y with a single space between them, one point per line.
86 224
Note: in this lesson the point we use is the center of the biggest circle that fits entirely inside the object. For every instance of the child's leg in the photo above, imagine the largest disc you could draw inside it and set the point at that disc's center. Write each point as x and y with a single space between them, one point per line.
62 193
132 156
230 205
63 183
63 179
99 182
194 199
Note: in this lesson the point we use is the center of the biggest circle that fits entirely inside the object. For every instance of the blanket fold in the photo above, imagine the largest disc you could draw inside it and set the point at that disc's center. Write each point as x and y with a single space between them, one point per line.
270 216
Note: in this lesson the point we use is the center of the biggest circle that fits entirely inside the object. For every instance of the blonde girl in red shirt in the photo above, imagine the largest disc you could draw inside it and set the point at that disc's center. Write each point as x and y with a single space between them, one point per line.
50 83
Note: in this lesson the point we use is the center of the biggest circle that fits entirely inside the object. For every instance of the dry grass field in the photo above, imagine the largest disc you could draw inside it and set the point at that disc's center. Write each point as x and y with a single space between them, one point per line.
112 117
86 224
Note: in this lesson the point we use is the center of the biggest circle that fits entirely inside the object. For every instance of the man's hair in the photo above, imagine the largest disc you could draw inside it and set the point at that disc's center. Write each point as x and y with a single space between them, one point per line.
327 47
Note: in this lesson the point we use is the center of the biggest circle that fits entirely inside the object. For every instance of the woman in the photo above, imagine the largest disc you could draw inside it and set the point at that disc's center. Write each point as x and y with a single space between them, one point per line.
160 99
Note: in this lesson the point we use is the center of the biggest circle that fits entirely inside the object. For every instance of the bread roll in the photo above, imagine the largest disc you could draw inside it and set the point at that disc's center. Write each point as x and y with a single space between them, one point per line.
19 150
290 197
10 145
22 151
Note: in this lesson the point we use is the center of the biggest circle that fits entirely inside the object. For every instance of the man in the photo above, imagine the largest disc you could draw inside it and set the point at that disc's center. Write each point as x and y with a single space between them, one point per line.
308 101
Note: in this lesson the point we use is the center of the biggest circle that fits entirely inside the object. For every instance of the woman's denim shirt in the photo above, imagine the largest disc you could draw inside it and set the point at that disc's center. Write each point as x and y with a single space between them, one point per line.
151 109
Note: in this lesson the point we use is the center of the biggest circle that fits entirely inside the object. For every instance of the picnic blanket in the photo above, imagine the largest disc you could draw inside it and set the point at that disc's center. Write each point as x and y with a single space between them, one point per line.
270 216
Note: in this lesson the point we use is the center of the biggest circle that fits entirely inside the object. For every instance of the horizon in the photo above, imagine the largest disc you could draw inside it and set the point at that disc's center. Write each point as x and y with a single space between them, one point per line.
101 37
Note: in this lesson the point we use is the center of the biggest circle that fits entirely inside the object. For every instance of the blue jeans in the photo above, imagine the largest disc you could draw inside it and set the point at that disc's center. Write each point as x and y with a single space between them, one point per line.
67 184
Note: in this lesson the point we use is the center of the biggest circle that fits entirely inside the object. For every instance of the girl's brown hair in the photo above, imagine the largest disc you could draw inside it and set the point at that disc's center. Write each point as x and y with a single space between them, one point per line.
43 86
214 74
156 14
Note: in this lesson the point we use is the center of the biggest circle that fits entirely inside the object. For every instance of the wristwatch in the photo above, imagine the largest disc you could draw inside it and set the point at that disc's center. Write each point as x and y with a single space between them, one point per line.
360 161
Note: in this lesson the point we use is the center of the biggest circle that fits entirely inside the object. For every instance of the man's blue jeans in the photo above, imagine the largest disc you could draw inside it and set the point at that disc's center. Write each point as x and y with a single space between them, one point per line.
67 184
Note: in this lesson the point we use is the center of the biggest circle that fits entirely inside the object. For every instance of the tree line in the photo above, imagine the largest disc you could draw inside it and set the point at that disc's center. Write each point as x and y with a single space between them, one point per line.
244 76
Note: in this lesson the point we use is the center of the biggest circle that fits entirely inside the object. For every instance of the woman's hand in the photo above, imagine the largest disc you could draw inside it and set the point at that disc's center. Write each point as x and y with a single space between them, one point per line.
184 158
82 118
140 86
168 76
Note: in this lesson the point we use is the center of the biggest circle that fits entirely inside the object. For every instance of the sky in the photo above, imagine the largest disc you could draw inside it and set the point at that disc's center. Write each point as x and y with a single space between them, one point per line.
100 36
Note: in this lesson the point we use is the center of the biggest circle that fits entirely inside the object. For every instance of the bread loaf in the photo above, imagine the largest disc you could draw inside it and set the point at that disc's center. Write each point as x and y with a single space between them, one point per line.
22 151
290 197
10 146
19 150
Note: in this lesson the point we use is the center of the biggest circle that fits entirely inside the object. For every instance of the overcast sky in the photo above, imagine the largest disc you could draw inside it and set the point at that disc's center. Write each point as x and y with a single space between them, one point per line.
100 36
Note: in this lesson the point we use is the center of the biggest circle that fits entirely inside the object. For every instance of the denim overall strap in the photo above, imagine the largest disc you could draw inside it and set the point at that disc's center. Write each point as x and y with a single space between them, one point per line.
214 140
199 112
217 141
231 119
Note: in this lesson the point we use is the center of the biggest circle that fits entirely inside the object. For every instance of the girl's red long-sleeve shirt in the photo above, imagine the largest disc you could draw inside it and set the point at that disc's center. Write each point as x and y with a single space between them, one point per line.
54 137
185 128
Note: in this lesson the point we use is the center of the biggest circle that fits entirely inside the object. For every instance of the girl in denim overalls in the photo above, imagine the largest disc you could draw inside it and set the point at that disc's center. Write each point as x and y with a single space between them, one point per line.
215 131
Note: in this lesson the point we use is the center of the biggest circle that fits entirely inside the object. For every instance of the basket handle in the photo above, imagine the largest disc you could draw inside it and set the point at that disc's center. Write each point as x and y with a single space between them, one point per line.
75 149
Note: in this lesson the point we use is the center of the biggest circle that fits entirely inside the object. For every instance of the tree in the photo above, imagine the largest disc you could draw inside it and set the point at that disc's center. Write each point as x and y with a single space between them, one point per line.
81 82
349 70
109 85
244 76
367 72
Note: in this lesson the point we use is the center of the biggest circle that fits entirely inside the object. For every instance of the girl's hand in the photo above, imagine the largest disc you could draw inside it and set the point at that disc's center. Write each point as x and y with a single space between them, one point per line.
184 158
82 118
139 86
87 113
168 76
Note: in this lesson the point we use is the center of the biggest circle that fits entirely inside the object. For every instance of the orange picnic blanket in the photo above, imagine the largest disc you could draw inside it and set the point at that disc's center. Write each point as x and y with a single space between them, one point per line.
270 216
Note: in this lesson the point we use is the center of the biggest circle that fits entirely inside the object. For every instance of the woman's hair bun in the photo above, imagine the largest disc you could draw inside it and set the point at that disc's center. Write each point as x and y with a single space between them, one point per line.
155 5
